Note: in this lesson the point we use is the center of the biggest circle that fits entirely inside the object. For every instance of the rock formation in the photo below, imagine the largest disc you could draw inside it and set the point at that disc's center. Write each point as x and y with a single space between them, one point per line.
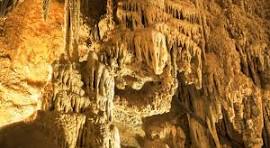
135 73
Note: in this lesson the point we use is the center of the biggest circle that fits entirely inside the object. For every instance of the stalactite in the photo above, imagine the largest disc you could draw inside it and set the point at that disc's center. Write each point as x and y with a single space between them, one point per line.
45 8
166 73
6 6
72 24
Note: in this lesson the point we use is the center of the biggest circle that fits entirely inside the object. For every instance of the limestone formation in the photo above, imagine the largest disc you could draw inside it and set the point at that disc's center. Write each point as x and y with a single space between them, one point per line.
136 73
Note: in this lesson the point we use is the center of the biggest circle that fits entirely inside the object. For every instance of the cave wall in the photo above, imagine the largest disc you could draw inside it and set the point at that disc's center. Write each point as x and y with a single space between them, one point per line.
134 73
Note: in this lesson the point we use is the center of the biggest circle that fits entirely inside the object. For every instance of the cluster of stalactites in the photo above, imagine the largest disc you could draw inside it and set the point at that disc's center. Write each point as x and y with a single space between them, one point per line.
177 22
99 84
89 92
68 95
145 46
146 13
84 88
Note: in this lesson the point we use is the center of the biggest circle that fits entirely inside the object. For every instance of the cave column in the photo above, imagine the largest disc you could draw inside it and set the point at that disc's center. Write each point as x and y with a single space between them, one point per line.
99 131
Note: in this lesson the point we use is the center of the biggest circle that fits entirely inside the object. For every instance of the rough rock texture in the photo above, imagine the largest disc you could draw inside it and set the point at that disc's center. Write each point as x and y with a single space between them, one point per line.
137 73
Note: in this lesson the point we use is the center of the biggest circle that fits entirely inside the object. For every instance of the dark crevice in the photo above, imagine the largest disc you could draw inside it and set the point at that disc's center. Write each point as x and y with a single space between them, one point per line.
89 10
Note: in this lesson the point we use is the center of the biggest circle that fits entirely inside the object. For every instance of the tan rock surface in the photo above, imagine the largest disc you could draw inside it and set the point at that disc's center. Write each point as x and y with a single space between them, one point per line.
135 73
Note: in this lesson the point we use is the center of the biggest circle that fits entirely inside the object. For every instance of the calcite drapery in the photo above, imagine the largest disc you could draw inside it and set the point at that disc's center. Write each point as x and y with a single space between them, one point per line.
84 88
151 52
186 73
